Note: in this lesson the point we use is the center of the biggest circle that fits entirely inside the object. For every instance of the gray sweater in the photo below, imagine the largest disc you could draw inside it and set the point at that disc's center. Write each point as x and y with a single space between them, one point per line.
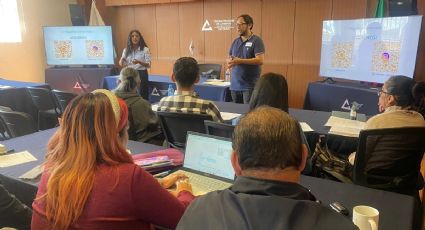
143 121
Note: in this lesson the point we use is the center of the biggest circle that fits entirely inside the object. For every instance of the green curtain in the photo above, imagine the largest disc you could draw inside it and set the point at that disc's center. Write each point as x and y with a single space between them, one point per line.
380 11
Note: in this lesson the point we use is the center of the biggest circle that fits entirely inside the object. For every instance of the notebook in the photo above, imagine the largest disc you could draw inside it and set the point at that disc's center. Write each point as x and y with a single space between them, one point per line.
207 163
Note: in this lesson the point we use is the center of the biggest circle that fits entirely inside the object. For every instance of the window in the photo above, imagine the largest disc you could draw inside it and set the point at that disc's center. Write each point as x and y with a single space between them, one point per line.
10 28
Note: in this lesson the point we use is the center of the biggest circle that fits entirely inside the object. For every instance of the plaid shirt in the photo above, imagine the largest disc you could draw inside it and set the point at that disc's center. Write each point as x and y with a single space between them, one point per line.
188 102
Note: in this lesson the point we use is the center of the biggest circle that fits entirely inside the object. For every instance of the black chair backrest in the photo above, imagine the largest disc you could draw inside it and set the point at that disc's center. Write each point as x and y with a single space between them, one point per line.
219 129
17 123
2 124
63 98
207 67
176 124
42 98
389 159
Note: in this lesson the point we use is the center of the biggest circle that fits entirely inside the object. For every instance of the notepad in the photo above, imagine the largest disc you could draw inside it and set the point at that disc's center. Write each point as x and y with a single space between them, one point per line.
345 127
344 131
33 173
345 123
229 116
16 159
305 127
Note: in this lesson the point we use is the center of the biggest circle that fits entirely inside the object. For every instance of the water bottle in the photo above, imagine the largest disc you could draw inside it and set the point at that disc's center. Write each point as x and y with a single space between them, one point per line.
227 75
353 113
170 90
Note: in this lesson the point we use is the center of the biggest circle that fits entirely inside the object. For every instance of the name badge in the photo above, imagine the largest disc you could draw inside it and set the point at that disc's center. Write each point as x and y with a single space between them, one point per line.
248 44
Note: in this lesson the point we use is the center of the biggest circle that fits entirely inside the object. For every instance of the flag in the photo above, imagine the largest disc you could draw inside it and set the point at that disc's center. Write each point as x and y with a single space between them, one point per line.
191 47
95 18
380 9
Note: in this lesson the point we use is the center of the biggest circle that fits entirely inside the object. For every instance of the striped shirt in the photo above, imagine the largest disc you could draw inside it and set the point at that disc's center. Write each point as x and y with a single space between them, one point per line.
189 102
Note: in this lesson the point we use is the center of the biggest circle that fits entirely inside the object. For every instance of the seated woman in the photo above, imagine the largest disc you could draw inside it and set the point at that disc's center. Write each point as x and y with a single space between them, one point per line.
144 124
91 182
399 100
272 90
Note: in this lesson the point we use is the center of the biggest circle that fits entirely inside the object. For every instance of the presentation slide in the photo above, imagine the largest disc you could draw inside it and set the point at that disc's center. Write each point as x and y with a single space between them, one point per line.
370 49
79 45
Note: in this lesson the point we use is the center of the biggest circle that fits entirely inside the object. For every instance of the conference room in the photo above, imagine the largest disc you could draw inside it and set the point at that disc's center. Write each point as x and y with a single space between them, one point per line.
336 57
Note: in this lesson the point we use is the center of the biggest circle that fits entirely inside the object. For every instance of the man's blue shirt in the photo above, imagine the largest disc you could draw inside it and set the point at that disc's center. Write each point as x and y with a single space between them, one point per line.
244 76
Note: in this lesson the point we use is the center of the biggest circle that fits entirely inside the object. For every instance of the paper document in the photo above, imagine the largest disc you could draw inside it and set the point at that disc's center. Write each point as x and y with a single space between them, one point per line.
229 116
344 131
305 127
16 159
5 87
33 173
217 83
155 107
345 123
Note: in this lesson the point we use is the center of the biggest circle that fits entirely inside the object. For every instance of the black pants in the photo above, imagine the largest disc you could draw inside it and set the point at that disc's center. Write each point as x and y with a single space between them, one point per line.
143 89
241 97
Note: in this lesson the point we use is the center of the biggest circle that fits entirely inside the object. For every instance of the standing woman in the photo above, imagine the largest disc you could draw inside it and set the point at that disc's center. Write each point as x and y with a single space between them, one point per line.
137 56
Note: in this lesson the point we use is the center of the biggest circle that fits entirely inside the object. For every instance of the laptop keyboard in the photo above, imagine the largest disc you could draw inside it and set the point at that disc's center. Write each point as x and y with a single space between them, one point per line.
202 184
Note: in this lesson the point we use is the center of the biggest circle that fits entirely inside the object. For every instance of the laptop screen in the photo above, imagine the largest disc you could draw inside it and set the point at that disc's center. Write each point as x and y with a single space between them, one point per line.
209 154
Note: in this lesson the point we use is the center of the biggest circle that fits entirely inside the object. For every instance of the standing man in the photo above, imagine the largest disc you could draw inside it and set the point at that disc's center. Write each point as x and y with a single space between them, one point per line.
246 55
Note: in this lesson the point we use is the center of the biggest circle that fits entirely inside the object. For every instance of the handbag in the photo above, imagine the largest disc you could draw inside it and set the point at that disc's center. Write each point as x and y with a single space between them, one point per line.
328 165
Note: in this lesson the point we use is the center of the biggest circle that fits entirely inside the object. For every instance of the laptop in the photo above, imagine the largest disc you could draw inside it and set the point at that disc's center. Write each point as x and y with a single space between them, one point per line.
207 163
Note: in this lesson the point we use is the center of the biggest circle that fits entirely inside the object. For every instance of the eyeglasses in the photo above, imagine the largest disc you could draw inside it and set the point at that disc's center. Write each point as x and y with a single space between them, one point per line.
240 24
381 92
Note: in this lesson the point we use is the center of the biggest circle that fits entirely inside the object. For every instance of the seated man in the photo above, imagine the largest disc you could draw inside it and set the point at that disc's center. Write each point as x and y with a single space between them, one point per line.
268 157
186 74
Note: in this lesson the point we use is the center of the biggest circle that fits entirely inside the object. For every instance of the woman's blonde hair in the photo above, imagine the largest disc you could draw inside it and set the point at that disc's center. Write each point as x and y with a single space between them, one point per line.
129 78
87 137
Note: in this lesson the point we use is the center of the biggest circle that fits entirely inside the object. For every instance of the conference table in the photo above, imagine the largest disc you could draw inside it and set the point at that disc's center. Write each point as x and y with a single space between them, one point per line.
158 85
396 211
14 96
323 96
315 119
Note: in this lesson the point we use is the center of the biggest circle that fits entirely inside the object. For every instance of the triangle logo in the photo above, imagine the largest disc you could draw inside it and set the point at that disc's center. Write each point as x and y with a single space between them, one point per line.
207 26
155 92
77 85
346 105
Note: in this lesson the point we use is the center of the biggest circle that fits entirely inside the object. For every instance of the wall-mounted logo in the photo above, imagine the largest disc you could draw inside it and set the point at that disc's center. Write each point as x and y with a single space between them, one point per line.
207 26
219 24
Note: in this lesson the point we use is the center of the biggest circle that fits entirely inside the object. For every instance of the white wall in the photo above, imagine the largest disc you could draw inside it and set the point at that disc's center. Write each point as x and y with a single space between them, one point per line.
26 61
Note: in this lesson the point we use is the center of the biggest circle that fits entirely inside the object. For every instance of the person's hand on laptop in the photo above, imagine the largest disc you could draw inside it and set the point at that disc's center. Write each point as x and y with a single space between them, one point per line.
182 185
171 179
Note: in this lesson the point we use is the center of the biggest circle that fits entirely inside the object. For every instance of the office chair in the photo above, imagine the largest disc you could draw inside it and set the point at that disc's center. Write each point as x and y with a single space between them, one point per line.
62 99
3 133
176 124
204 70
219 129
389 159
17 123
44 102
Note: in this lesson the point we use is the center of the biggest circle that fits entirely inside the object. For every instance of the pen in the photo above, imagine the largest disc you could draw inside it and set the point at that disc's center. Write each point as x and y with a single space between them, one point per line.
7 152
10 151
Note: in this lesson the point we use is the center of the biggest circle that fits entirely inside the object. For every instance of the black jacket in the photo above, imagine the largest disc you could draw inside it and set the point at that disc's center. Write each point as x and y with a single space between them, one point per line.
12 212
261 204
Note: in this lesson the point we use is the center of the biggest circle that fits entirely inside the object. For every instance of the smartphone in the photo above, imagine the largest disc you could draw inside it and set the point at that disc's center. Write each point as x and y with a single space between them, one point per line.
339 208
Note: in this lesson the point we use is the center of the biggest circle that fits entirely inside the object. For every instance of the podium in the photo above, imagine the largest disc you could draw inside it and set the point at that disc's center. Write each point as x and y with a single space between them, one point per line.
78 80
